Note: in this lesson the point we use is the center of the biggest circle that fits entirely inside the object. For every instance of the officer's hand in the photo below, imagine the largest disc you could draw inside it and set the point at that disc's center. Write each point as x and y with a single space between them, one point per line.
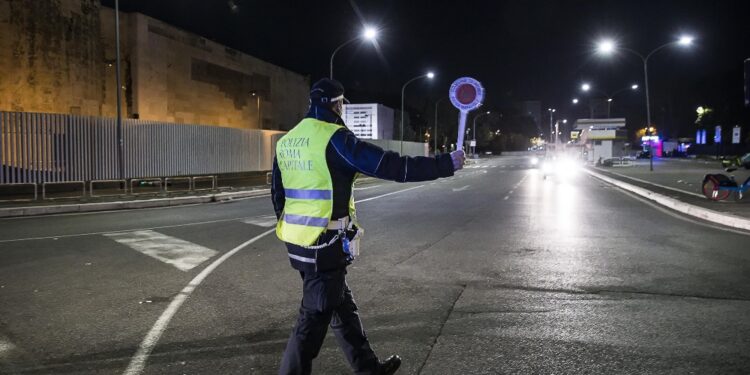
458 158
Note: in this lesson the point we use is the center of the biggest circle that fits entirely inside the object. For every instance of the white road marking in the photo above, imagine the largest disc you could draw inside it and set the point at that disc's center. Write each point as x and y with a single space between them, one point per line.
462 188
138 362
180 253
385 195
267 221
365 188
122 231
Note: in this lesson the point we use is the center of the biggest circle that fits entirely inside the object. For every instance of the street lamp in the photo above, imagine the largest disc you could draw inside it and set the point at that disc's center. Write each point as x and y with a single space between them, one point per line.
551 115
257 100
429 75
609 97
475 129
575 100
436 120
607 47
120 140
369 33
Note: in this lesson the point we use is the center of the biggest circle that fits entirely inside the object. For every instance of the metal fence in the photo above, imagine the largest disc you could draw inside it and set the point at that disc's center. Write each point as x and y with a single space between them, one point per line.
41 147
44 147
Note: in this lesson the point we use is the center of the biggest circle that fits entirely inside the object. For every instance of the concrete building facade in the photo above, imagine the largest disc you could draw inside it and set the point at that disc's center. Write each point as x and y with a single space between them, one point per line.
58 56
601 138
369 120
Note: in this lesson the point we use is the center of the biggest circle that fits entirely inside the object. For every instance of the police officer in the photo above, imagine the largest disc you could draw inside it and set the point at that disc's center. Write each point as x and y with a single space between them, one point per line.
313 174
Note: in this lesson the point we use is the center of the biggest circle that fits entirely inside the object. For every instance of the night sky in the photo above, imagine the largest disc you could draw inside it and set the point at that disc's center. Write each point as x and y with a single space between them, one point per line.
520 50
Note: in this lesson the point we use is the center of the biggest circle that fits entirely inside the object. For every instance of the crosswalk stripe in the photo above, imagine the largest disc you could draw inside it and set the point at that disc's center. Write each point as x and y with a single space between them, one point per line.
180 253
262 221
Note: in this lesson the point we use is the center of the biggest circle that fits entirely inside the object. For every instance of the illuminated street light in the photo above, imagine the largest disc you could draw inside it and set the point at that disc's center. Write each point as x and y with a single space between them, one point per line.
575 100
551 126
609 100
369 33
585 87
430 75
685 40
607 47
634 87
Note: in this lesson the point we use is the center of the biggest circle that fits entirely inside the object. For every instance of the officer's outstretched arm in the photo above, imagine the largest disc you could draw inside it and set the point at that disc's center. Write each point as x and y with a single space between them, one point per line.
348 151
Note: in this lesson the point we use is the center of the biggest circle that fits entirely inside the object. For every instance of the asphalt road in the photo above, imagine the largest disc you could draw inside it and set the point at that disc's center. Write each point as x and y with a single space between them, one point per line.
495 270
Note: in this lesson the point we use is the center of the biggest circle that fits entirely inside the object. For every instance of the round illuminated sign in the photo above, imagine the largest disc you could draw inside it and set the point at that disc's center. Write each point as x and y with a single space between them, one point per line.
466 94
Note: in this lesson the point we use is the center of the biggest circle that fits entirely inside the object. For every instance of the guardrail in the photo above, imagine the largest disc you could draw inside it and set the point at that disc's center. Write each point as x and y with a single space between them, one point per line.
167 181
45 184
122 183
139 180
19 185
204 178
156 186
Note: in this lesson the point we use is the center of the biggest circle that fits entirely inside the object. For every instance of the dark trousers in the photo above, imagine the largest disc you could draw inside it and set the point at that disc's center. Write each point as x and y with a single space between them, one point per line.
326 299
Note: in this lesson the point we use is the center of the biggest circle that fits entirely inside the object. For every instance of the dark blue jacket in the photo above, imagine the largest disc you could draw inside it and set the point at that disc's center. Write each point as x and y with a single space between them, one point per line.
347 155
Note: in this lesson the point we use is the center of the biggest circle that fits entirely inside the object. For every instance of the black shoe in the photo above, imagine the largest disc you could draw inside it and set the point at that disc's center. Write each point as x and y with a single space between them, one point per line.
390 365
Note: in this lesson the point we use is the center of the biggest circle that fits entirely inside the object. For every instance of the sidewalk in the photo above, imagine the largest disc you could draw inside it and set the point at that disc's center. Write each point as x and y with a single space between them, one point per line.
677 184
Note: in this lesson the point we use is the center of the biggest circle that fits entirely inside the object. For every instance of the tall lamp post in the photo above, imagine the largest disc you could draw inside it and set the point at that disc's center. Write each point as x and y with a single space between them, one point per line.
120 141
429 75
608 46
551 119
256 95
436 120
610 97
474 123
368 33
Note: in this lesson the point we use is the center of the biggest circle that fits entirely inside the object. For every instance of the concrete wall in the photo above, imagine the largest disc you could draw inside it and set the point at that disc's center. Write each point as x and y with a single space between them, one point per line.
58 56
183 78
410 148
51 56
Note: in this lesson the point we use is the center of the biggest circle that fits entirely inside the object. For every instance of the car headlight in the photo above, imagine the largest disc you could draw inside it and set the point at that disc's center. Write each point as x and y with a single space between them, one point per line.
534 161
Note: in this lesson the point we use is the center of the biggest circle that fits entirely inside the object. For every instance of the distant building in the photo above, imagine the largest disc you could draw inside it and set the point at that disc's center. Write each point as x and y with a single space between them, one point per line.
59 57
601 138
369 121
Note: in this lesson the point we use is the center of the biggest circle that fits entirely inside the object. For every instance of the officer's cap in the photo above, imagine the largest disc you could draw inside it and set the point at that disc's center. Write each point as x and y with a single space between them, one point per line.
326 91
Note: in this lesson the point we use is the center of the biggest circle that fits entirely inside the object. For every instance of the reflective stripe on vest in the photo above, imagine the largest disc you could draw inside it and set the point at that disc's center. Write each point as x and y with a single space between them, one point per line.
301 157
307 194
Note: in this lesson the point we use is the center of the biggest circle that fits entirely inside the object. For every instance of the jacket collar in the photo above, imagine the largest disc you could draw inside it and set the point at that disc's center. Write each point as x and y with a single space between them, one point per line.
324 114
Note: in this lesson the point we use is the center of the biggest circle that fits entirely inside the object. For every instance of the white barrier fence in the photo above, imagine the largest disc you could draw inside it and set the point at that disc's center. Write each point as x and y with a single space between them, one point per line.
40 147
43 147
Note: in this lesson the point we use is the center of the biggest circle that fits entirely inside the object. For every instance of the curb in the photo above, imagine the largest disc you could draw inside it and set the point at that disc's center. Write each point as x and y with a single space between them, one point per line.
677 205
109 206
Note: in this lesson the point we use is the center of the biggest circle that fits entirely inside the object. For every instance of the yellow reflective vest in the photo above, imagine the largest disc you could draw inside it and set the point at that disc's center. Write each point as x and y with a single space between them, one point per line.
308 189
